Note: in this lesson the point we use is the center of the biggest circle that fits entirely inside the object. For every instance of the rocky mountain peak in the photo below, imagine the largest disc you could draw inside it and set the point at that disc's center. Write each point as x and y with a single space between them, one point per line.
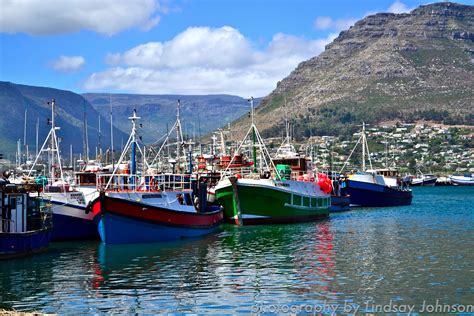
407 66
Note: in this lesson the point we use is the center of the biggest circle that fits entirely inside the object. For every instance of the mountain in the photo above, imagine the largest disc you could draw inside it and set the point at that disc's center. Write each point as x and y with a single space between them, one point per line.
70 107
415 66
200 114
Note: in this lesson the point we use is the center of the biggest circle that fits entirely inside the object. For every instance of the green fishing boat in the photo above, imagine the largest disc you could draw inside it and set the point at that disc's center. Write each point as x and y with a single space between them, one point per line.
269 201
270 195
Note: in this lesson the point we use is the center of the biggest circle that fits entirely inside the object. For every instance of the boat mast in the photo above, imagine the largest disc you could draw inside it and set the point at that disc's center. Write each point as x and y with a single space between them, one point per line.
85 140
287 123
111 133
254 136
53 143
24 135
222 142
179 135
132 143
199 129
53 150
365 148
18 153
37 135
133 167
99 144
364 139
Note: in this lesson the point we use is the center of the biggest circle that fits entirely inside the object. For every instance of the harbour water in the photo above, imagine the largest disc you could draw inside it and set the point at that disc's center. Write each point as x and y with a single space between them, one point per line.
358 260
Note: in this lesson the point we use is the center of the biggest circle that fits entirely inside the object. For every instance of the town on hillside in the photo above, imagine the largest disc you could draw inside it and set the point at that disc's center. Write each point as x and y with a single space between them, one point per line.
409 147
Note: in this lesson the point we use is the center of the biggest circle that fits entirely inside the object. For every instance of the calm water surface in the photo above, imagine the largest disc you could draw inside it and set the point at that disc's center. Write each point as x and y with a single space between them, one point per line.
406 255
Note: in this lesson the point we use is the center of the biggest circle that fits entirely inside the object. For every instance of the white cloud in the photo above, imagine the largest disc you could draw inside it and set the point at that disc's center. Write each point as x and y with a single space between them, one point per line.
65 16
327 23
399 7
68 63
323 22
203 60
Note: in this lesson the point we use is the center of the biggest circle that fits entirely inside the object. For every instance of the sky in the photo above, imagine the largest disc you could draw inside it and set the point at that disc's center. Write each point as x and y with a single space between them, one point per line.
239 47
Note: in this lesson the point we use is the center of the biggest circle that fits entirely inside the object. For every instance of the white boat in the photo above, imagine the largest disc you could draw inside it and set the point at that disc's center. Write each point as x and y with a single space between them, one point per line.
424 180
466 179
69 202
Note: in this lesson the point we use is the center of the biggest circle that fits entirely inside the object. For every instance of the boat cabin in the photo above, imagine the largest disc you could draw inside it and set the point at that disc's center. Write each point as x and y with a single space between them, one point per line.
86 179
20 212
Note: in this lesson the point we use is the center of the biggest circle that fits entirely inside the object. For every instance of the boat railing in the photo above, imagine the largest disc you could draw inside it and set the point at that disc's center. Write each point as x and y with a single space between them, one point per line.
151 183
239 171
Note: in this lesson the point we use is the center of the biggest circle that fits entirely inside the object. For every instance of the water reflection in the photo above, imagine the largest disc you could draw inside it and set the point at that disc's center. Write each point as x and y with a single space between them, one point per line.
315 262
370 255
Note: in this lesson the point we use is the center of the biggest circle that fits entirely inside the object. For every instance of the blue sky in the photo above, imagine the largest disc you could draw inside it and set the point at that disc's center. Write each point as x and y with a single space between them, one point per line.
184 47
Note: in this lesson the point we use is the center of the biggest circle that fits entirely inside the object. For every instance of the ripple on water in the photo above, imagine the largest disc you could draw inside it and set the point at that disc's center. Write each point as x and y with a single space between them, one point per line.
405 254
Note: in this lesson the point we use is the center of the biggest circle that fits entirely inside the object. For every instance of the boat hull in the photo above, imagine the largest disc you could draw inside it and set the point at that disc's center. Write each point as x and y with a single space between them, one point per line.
374 195
464 181
122 221
340 203
13 245
267 205
70 222
424 182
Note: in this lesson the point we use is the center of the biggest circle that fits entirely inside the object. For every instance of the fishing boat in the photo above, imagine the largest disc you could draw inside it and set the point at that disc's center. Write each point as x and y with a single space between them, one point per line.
372 187
70 221
465 180
269 195
137 208
26 220
424 180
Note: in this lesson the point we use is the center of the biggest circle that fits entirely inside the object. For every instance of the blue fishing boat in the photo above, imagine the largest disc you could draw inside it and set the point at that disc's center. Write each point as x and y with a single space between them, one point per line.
371 188
381 187
137 208
26 221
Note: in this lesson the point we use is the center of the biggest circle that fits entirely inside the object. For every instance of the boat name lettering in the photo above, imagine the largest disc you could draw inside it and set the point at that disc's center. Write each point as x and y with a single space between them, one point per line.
151 196
79 197
282 184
